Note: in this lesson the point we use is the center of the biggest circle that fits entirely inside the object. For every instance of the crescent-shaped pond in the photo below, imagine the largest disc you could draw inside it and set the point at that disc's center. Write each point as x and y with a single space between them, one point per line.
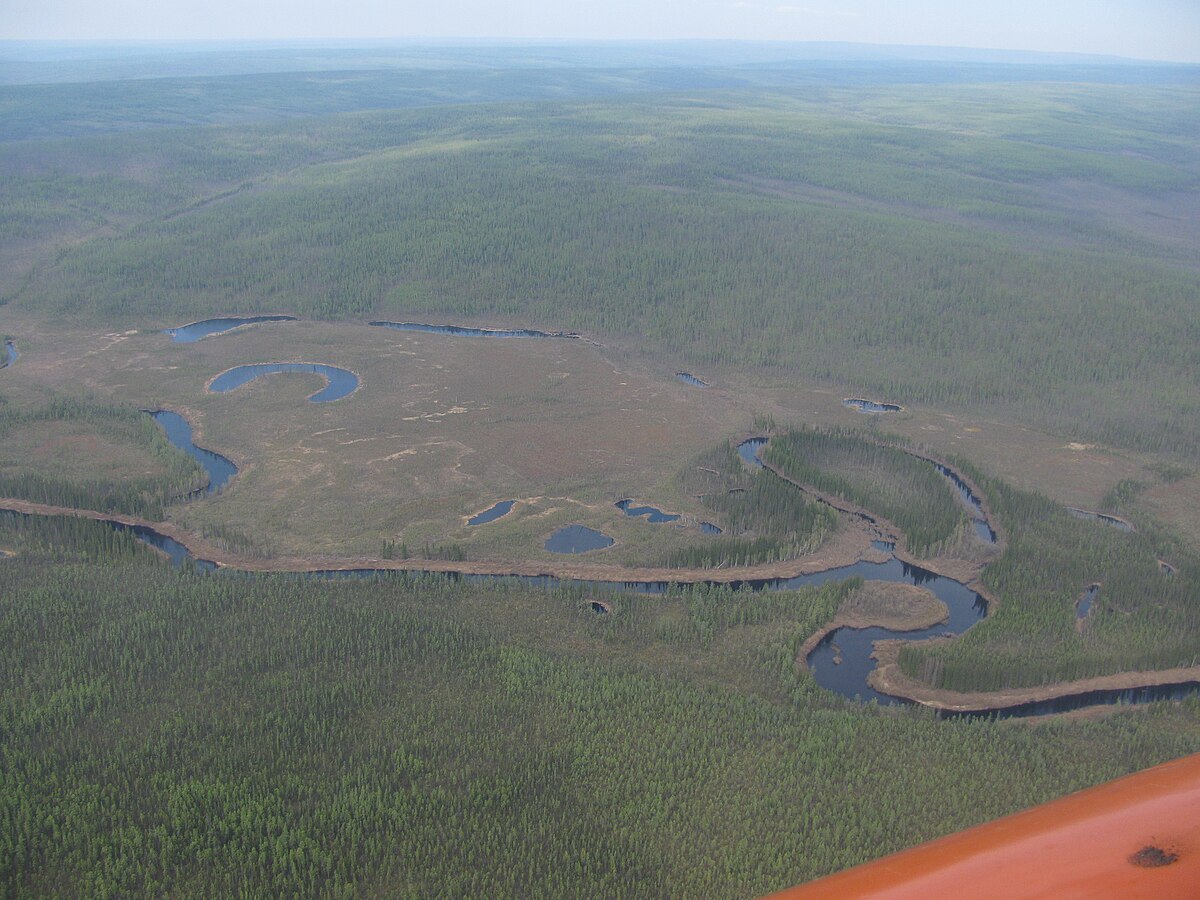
340 382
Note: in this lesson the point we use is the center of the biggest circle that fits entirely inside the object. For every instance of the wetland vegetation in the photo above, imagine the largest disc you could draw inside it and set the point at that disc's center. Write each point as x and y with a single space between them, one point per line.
1143 618
763 519
885 480
92 456
1006 254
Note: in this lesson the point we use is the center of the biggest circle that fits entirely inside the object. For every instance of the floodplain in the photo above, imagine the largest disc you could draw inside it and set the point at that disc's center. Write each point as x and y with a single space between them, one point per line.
869 331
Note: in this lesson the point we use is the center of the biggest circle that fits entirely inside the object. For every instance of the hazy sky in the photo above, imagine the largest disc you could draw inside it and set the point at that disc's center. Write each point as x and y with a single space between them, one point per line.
1147 29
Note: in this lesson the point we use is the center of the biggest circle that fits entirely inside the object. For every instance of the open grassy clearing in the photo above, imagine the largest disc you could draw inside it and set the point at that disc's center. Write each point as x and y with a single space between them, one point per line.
442 427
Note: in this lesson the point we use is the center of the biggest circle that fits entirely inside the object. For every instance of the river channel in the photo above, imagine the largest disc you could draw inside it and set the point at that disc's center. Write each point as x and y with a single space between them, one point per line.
842 661
179 432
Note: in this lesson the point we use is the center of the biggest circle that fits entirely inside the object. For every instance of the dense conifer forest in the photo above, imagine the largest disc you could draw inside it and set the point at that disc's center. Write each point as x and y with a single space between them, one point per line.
167 732
1015 243
1145 617
886 480
921 245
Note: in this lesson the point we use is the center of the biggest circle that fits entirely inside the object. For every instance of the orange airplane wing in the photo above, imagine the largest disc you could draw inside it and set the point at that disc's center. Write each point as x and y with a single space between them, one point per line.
1138 836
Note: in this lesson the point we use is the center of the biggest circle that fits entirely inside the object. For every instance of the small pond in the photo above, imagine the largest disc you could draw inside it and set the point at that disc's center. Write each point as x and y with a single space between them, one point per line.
652 514
1083 605
689 378
10 355
577 539
1119 524
492 513
341 382
189 334
463 331
748 450
179 432
871 406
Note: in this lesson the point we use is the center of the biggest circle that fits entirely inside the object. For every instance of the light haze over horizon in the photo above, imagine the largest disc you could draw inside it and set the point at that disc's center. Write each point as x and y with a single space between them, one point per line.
1165 30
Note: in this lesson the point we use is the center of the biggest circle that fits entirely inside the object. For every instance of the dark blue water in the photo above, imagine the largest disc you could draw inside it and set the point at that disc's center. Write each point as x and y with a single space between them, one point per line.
1084 605
10 354
652 514
656 515
179 433
849 678
870 406
577 539
342 382
1166 568
885 546
189 334
1099 517
178 553
462 331
964 491
492 514
983 530
1114 697
748 450
689 378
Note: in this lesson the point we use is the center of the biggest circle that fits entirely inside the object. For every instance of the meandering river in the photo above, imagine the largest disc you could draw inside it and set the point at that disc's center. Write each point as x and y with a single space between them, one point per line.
842 661
220 469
